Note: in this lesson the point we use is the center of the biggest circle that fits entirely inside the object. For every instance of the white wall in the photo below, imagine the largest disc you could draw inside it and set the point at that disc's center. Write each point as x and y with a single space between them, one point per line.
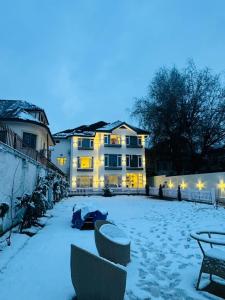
62 149
19 174
210 180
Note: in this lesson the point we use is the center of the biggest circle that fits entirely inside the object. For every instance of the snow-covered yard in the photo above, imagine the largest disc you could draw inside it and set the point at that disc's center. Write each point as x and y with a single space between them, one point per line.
165 261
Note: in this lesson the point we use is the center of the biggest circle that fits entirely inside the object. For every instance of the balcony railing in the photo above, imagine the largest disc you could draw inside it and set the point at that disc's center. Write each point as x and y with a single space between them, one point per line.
10 138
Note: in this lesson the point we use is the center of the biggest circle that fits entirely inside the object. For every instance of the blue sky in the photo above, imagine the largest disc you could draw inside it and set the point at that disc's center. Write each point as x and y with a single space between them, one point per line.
85 61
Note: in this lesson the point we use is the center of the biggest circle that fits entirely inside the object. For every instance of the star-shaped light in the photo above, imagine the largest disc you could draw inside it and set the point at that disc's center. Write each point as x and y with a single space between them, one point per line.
183 185
200 185
170 184
221 185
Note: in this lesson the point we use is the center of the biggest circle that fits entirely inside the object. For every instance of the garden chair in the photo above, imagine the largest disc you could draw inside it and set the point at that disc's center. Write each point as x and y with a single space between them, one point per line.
107 248
95 278
213 262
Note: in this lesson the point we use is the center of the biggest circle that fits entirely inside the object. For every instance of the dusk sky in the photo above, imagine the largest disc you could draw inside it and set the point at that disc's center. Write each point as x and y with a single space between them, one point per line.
85 61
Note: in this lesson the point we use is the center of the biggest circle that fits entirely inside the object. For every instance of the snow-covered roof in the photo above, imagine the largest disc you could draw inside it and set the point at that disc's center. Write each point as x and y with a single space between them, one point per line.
19 109
90 130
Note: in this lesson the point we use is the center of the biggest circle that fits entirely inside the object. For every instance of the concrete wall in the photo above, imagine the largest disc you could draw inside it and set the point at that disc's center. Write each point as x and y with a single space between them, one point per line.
210 180
19 174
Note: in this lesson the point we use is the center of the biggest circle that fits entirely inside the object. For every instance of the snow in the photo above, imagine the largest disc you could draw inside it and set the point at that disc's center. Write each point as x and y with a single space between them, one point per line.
165 261
111 126
85 209
114 234
216 253
26 116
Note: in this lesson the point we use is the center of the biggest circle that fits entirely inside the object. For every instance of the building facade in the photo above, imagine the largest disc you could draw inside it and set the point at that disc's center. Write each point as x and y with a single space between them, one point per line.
29 122
102 155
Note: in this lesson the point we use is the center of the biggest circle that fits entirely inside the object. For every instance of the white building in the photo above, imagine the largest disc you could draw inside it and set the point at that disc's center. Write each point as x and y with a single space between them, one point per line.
102 154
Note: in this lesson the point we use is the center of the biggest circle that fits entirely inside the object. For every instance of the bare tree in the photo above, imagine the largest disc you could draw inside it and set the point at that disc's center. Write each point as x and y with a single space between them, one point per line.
184 110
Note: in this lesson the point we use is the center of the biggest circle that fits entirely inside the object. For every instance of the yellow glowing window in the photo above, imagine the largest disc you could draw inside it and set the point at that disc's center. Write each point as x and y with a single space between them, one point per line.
61 161
84 181
134 180
114 139
85 162
113 180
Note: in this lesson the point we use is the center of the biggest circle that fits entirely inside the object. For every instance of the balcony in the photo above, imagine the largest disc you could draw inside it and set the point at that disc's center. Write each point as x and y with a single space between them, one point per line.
113 168
134 146
84 169
135 168
85 148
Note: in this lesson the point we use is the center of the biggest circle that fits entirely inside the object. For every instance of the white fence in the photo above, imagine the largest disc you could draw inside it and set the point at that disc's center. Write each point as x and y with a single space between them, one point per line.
115 191
206 196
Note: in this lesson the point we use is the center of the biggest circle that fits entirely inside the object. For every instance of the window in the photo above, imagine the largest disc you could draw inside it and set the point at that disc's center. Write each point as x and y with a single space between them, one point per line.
113 160
113 140
106 160
85 143
134 181
106 139
29 140
134 161
133 141
113 180
61 160
84 181
85 162
139 141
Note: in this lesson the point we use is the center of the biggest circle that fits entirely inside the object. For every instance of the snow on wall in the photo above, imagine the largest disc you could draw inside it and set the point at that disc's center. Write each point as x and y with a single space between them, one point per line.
18 176
210 180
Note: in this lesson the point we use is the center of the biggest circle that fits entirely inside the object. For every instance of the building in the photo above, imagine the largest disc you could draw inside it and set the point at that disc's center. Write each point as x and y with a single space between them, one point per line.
102 154
29 122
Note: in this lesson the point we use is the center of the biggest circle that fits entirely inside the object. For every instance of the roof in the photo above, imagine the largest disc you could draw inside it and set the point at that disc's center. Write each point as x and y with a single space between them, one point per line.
112 126
90 130
19 109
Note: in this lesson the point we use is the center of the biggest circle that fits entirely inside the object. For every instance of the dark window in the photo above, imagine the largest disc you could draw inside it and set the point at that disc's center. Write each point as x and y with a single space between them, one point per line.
85 143
106 139
106 160
119 162
134 161
113 160
133 141
128 160
29 140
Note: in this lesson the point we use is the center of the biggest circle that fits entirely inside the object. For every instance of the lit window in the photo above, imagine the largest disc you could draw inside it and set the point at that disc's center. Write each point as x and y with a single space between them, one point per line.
61 161
85 162
134 180
84 181
113 180
115 139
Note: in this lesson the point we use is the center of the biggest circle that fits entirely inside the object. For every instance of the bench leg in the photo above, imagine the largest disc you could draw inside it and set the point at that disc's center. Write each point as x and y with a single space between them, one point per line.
199 278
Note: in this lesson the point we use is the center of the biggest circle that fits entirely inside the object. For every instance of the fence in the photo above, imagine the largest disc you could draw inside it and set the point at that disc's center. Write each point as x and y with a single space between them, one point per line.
206 196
